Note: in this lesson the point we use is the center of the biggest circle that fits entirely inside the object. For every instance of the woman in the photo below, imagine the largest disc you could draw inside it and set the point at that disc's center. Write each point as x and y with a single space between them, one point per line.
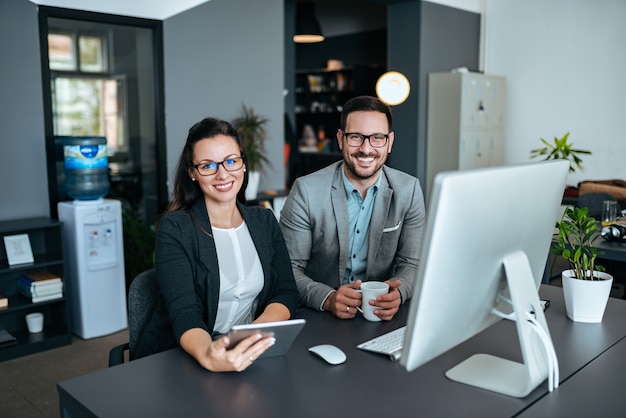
218 262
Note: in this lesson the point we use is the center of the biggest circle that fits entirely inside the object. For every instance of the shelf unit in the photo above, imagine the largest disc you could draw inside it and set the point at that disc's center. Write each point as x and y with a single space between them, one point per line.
320 95
45 239
465 126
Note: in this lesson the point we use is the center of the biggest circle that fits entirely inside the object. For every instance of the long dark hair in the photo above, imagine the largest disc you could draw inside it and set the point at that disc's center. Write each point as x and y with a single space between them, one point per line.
186 191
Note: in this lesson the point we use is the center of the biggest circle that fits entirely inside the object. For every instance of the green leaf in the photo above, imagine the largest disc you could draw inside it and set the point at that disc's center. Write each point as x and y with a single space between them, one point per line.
576 233
560 149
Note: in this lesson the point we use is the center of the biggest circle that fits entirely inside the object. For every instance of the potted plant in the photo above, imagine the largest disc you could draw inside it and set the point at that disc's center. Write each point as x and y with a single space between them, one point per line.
252 131
586 287
561 150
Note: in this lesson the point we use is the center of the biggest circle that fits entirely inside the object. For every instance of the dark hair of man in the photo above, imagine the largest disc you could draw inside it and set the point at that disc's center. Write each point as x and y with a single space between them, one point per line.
367 103
186 191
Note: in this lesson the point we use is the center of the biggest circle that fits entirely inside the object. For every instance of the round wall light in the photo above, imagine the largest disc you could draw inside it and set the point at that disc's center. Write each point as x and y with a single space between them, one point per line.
393 88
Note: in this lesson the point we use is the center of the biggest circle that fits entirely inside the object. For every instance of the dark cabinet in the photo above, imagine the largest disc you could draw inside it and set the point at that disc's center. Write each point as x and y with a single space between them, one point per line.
44 235
320 95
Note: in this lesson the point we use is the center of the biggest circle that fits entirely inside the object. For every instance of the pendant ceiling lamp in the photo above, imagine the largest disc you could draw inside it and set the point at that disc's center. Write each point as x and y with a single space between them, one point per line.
307 27
393 88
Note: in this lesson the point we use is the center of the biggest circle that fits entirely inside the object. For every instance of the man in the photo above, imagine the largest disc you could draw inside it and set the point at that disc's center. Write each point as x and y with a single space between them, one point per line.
355 220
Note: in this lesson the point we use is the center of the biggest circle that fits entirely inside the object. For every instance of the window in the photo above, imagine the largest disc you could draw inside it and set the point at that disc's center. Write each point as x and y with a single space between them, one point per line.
61 52
77 52
103 77
90 106
85 99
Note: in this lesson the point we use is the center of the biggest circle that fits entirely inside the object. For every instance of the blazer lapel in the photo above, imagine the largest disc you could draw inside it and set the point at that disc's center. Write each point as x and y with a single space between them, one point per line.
377 223
207 256
340 209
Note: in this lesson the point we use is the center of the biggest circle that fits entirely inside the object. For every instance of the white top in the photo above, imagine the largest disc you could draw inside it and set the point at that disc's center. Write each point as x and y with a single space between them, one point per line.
241 276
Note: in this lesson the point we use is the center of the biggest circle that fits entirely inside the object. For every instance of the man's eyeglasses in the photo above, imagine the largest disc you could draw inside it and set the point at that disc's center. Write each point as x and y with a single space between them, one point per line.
355 139
209 168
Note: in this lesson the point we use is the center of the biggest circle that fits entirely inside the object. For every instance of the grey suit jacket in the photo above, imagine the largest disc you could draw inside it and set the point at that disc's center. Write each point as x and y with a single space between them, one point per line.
314 222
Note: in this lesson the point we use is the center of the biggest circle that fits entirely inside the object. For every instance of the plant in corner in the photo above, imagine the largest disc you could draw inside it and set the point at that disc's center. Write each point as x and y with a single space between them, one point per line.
139 243
561 150
252 131
586 287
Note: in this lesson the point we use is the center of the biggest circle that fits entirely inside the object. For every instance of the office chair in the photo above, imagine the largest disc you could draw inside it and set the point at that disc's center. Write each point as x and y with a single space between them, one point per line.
593 201
142 300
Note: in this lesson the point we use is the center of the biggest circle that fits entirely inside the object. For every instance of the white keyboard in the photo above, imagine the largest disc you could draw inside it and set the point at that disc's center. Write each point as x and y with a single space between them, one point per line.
390 343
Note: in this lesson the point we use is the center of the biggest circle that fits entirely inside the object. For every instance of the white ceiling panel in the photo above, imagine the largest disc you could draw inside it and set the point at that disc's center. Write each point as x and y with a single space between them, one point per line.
147 9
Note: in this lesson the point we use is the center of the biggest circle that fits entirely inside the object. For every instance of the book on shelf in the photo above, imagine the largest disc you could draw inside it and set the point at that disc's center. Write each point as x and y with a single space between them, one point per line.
41 278
6 339
40 286
31 291
4 301
44 298
40 295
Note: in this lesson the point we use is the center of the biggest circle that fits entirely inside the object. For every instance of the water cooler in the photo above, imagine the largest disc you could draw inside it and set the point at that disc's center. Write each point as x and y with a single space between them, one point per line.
95 283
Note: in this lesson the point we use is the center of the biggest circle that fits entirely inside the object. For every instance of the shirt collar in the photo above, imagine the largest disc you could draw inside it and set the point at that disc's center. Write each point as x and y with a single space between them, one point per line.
349 187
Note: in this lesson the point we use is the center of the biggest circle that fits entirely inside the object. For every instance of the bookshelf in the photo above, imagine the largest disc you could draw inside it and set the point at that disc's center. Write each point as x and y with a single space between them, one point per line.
45 240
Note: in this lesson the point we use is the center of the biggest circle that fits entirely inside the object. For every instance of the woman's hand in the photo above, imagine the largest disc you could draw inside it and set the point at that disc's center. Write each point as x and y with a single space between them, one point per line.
213 354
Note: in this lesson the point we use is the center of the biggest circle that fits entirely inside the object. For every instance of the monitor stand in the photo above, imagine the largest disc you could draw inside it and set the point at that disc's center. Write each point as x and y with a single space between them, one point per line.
505 376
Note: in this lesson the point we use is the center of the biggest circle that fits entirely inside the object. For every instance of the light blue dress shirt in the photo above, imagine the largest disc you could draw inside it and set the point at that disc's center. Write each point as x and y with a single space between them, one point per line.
359 215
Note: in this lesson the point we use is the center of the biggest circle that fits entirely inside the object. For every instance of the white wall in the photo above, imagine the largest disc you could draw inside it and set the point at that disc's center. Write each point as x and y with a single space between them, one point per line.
564 62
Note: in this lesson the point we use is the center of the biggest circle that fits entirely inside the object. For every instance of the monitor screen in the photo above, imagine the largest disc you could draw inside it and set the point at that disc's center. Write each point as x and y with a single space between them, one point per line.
479 222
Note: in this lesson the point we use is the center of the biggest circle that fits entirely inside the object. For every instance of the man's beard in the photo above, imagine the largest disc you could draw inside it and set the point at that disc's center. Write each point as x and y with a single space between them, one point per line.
352 168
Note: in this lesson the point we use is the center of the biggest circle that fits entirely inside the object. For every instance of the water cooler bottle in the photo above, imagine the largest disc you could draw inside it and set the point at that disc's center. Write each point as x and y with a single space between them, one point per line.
95 283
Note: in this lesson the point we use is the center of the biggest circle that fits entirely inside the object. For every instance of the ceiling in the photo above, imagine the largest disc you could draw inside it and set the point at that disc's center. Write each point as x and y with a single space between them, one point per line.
162 9
147 9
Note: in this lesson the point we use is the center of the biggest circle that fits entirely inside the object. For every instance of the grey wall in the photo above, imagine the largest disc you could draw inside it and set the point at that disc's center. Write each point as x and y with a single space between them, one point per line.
424 37
23 184
218 57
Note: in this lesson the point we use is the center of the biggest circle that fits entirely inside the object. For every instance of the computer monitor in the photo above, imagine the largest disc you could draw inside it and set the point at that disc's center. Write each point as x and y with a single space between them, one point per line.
485 248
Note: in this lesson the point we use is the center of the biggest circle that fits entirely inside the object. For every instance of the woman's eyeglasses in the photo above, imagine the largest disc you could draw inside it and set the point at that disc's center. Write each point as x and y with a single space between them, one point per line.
209 168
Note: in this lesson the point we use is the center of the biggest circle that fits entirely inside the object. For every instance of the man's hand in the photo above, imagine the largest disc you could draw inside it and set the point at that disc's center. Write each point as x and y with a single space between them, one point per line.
387 305
344 301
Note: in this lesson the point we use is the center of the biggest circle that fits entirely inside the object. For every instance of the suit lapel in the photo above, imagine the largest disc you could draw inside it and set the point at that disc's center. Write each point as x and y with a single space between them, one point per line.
340 210
377 223
207 255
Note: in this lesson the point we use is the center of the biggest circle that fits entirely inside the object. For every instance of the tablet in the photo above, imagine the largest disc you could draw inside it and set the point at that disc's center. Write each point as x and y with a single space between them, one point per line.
285 333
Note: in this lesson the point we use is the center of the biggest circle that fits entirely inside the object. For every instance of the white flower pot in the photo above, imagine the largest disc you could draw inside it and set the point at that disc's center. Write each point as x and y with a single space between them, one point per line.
253 185
585 300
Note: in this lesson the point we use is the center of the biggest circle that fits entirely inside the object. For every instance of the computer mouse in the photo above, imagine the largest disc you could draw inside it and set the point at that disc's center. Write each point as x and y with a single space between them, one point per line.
329 353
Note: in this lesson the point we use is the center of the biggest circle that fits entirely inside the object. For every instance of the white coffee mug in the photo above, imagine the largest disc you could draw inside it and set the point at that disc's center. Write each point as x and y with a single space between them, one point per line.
34 322
369 291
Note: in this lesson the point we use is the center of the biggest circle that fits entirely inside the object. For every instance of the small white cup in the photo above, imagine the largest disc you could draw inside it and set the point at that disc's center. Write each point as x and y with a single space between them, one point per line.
369 291
34 321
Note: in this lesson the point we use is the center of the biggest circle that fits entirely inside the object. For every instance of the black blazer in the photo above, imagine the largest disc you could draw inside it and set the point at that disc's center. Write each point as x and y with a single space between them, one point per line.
188 273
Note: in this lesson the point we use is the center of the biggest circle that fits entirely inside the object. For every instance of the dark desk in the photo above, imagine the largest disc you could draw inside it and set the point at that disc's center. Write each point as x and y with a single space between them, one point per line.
610 250
594 391
367 385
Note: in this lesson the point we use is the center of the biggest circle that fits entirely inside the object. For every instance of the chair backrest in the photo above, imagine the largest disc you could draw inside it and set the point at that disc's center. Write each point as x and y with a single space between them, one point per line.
143 297
593 201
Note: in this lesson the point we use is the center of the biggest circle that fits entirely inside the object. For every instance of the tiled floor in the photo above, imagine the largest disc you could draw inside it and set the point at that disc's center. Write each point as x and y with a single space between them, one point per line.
28 384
